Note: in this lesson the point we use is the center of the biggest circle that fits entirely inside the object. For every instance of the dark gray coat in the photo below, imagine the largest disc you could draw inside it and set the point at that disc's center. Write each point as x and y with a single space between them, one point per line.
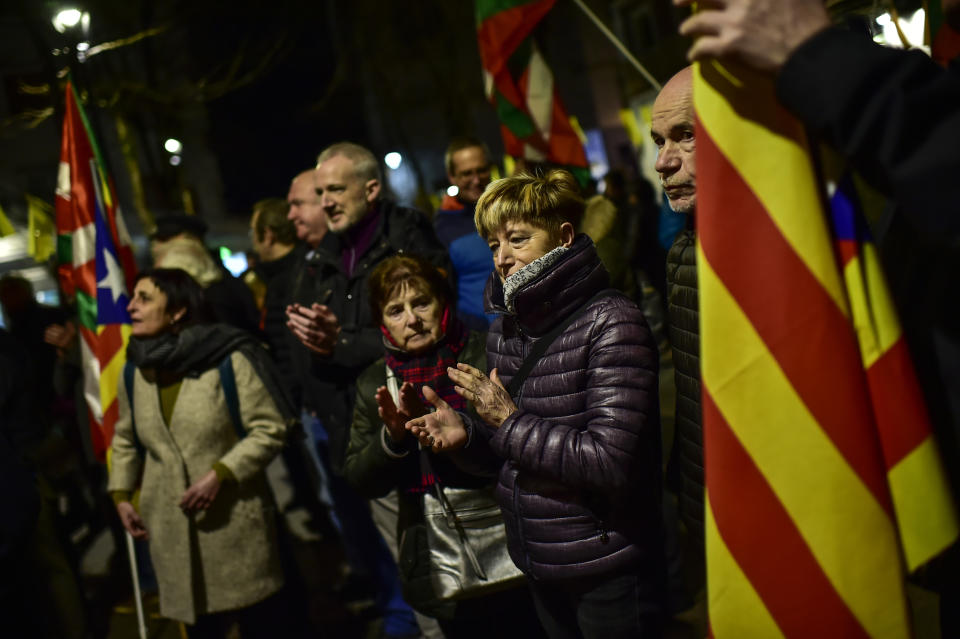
685 474
580 486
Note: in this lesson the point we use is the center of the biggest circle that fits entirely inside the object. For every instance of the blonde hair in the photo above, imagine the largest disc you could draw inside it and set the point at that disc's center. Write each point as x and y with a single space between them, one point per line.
544 201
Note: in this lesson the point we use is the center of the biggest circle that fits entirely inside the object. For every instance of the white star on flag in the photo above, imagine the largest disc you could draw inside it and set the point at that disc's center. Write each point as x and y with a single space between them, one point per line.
114 277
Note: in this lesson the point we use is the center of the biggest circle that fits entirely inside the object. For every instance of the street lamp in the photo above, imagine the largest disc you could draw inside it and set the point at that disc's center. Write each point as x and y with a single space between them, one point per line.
393 160
69 18
173 145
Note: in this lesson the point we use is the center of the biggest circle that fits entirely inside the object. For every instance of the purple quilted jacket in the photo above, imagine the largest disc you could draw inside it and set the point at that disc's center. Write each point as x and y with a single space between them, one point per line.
580 486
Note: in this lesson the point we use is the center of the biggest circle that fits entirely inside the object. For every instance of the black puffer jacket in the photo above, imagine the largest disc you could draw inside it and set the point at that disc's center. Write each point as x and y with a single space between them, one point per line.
580 489
685 471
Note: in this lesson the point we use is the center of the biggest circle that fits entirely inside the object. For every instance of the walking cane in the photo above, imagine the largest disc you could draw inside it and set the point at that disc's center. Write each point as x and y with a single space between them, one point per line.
132 555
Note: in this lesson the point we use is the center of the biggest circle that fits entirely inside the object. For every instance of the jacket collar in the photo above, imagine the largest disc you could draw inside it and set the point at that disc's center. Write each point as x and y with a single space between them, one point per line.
546 300
332 245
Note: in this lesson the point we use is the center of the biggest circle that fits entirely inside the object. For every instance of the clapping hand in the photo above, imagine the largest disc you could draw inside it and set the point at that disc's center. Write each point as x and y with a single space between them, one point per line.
490 399
316 326
440 430
395 417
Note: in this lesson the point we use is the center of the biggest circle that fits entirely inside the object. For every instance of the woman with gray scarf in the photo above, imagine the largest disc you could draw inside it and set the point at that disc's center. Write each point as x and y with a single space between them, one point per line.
574 427
200 418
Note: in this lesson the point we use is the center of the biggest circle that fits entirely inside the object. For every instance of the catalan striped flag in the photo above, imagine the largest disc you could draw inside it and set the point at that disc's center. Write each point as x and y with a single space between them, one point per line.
823 482
518 82
96 266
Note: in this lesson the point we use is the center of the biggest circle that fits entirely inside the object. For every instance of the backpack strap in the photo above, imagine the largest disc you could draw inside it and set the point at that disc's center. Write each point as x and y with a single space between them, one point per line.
541 345
129 370
229 384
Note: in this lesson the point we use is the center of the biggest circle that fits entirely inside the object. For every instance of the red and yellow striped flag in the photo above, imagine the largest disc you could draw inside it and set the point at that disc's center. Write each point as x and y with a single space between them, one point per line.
823 481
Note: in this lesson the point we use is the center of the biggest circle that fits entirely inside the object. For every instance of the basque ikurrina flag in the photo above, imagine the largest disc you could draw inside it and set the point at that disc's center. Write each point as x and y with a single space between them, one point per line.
519 84
96 267
824 485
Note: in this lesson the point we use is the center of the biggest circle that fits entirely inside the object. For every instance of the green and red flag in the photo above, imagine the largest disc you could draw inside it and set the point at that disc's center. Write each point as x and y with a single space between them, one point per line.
96 266
824 484
518 82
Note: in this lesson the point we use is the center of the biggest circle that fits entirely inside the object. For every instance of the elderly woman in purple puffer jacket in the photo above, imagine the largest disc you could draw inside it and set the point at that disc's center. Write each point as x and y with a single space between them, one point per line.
577 435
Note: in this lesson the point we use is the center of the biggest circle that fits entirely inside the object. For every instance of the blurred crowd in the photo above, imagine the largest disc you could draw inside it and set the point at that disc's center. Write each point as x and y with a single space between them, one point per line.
281 435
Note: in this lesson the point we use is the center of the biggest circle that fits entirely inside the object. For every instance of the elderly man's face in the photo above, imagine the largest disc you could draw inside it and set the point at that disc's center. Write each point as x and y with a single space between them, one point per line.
471 173
346 198
672 132
306 213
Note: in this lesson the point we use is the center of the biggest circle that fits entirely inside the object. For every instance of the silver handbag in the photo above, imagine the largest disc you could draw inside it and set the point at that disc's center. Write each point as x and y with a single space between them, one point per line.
468 543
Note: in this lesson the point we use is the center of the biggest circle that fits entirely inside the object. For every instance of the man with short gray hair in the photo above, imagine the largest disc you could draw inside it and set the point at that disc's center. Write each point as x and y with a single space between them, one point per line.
337 336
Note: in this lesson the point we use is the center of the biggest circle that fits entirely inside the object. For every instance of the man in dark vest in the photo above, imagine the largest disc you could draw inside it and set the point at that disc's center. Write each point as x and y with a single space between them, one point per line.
672 130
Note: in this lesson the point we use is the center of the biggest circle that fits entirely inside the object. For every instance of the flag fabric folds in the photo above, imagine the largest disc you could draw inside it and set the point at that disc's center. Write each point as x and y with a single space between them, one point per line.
96 266
533 122
823 481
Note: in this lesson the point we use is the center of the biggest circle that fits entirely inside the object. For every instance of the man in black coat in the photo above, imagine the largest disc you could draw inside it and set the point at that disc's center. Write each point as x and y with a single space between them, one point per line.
338 337
331 314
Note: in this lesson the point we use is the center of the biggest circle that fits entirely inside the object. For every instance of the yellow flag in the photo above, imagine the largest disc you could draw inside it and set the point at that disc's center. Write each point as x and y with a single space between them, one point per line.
42 233
6 228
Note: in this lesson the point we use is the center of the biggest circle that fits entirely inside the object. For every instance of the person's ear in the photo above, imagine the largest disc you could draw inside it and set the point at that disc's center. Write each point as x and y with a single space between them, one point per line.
372 190
268 237
178 315
567 233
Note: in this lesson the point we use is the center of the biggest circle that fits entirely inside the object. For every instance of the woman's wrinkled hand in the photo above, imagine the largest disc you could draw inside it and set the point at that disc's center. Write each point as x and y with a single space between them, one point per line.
440 430
395 417
201 494
490 399
131 520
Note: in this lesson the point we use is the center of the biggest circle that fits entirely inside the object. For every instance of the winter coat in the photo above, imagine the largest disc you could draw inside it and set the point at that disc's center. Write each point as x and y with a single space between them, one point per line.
329 383
580 482
686 460
225 557
370 469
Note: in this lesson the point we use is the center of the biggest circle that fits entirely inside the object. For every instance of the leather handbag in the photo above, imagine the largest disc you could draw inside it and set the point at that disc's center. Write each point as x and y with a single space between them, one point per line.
467 542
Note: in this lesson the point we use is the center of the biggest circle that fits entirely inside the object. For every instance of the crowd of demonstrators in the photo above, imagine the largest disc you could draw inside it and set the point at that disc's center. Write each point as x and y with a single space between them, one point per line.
576 438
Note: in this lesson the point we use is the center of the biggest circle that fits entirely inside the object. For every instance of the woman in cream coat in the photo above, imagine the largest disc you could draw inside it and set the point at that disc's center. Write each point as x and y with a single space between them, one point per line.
204 506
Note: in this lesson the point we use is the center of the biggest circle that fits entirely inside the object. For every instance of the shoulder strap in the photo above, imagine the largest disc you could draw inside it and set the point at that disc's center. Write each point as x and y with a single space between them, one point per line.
229 384
129 370
541 345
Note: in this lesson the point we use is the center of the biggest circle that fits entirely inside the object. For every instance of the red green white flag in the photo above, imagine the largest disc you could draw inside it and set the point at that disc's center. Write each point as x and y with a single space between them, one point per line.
518 82
96 266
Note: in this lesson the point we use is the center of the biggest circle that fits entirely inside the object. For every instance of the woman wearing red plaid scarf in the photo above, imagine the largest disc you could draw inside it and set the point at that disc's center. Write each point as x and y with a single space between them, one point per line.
422 338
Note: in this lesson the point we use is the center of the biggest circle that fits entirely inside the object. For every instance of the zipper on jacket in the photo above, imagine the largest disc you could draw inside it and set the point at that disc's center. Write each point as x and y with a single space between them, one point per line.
604 534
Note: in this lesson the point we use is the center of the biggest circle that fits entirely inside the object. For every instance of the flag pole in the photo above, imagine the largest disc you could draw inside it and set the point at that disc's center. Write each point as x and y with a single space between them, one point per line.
131 554
619 45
